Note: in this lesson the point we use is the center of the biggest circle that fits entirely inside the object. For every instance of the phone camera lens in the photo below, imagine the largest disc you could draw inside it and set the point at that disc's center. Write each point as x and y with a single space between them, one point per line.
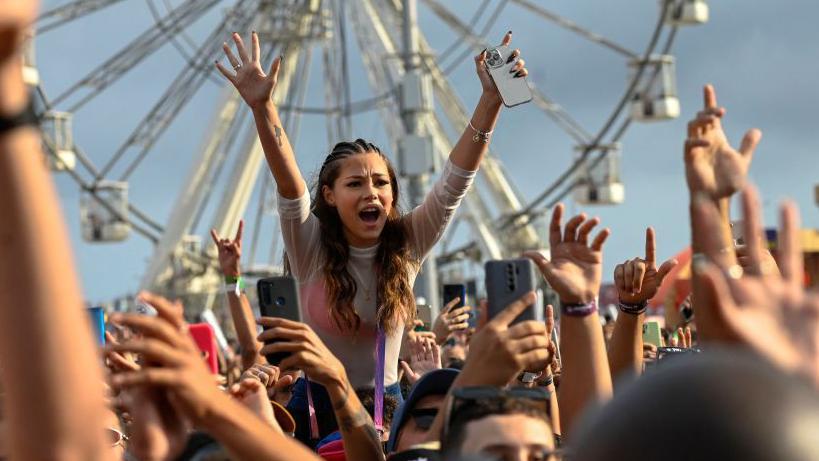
280 301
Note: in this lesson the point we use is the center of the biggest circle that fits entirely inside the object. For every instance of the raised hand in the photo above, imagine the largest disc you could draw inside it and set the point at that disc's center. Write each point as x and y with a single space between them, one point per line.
251 393
499 350
638 279
278 385
451 320
307 352
157 430
487 83
248 77
16 18
758 299
575 268
425 356
712 166
230 251
171 359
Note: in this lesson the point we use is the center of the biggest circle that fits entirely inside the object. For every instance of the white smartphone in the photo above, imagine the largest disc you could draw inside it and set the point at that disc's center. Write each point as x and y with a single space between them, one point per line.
513 90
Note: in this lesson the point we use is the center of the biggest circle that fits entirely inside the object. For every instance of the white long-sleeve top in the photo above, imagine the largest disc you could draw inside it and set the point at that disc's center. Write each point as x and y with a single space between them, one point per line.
301 232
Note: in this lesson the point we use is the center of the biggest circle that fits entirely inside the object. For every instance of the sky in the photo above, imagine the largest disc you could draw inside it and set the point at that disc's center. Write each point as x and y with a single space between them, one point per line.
762 56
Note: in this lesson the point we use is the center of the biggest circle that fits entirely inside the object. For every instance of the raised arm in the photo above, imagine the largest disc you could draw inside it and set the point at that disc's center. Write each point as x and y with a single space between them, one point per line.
230 253
474 142
574 272
256 88
51 379
637 281
174 368
714 171
309 354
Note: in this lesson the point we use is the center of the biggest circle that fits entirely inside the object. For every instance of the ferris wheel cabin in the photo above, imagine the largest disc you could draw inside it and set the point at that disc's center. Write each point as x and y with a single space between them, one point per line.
597 181
658 99
103 217
58 140
686 12
31 76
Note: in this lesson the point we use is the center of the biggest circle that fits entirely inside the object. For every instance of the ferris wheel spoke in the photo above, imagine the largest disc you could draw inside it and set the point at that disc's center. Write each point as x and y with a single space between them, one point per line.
570 25
509 221
551 109
132 54
62 14
178 94
484 30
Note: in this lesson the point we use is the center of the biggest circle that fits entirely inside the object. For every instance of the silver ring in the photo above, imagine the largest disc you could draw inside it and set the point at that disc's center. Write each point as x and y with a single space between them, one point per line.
237 67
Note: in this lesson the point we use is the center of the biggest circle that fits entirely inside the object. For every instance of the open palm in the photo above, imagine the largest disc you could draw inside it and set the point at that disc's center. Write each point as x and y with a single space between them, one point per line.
762 300
249 78
712 165
575 268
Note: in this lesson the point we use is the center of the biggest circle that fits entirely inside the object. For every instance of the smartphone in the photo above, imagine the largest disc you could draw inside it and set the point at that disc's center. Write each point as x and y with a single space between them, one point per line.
424 315
506 281
456 290
513 90
279 297
205 340
97 316
472 300
652 334
666 352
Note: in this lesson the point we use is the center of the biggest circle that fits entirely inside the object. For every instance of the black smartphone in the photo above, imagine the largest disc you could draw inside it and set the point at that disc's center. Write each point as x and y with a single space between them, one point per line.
279 297
506 281
472 300
667 352
452 291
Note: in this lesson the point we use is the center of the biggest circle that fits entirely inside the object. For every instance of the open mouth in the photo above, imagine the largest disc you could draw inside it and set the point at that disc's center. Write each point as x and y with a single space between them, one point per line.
369 215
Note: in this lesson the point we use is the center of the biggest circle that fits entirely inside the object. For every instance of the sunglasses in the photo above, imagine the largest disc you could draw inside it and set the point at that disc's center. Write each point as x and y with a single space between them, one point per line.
423 417
116 438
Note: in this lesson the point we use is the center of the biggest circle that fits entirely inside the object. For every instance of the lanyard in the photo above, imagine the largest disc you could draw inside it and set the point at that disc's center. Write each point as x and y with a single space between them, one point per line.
380 351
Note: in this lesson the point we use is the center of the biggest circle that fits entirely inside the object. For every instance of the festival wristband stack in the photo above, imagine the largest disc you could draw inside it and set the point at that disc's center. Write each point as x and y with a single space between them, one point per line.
633 309
578 310
235 285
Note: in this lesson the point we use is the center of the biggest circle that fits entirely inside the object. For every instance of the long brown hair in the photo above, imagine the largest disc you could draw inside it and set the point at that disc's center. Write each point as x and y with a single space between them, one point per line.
393 260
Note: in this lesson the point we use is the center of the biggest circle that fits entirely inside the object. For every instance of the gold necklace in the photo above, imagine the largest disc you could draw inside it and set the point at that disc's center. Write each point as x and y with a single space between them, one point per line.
360 283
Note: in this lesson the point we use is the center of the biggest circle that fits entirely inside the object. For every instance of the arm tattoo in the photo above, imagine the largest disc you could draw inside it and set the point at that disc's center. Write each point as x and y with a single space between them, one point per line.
356 419
277 131
338 406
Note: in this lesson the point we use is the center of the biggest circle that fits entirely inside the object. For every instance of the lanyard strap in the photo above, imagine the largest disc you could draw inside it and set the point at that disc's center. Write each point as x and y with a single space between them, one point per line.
380 351
380 345
311 411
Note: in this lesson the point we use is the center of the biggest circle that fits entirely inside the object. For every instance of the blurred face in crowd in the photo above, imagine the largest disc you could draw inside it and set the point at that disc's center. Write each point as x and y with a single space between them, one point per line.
363 195
416 427
515 437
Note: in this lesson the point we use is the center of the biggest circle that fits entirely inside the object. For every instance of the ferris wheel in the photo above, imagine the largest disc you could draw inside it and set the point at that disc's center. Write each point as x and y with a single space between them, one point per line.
405 74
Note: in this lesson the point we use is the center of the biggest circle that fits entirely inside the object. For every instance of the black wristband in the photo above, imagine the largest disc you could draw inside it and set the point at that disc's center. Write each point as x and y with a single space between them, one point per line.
633 309
26 117
546 382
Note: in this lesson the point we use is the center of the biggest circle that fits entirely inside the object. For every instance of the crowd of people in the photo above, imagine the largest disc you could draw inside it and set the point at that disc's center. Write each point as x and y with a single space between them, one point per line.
359 381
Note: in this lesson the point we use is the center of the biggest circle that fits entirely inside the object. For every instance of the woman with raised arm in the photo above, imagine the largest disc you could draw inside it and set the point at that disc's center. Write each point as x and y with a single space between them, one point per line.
355 255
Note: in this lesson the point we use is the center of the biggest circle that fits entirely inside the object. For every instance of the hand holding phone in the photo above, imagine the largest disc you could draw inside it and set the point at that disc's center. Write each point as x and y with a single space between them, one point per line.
509 77
279 297
507 281
205 339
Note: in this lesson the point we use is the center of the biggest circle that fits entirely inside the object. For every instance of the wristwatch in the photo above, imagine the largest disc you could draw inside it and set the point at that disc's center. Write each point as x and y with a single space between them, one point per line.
26 117
528 378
